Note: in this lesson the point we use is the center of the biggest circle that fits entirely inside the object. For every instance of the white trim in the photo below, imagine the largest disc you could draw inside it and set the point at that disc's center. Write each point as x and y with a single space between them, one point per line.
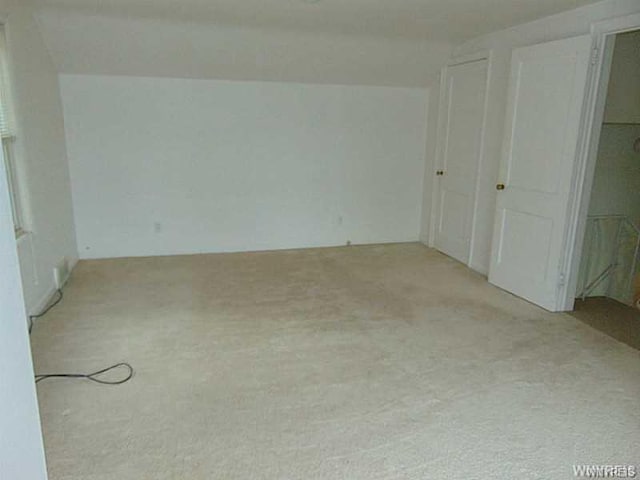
469 58
72 264
482 55
616 25
44 301
595 99
51 291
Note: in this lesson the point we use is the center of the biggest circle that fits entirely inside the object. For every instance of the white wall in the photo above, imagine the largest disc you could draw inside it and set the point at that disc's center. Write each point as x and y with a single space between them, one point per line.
623 98
110 45
40 156
615 191
21 450
616 182
170 166
501 44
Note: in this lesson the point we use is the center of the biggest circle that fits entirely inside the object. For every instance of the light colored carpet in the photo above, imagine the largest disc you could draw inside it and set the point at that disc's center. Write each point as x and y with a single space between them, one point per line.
377 362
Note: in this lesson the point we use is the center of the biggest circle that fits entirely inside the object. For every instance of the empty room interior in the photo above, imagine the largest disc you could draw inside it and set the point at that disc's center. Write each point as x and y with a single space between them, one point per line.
319 239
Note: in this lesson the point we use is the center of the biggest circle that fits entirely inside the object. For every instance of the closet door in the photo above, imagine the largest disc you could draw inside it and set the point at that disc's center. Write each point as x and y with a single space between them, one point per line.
460 147
545 102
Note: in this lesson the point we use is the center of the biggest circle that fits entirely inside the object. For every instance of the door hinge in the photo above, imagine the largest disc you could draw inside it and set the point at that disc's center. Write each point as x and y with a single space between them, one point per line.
595 55
562 281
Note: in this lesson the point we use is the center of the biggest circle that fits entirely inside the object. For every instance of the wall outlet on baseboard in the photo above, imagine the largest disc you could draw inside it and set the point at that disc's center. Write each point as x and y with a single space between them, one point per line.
61 273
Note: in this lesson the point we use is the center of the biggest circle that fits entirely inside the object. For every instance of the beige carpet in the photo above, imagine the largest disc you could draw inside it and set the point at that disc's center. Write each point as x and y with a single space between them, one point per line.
378 362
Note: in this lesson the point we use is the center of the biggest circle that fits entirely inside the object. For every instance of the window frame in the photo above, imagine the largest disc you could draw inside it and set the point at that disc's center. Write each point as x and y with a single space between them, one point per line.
8 137
14 188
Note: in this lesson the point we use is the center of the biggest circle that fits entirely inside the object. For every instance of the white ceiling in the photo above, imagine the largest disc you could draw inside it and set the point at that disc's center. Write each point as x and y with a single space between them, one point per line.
366 42
98 45
448 20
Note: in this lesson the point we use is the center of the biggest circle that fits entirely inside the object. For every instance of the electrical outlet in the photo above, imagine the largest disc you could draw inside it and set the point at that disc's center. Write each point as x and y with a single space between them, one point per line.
61 273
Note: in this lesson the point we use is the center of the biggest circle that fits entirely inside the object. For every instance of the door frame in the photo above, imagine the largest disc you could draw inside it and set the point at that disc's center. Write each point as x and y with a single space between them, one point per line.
480 55
603 34
22 453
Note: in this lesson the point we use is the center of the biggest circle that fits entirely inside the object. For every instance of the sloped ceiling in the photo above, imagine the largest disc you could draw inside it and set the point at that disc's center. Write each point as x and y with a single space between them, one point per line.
444 20
371 42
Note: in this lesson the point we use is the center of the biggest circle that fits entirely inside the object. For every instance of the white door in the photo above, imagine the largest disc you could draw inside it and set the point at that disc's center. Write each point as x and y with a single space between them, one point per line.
461 146
545 102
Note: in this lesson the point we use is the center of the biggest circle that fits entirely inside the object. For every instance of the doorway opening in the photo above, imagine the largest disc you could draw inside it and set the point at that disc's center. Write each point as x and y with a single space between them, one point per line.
608 281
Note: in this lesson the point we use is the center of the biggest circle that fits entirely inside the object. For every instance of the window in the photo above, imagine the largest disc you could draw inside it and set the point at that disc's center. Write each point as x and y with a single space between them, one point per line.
7 136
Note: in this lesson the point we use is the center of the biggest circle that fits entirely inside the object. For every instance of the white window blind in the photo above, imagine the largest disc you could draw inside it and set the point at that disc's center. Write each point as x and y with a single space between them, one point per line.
7 135
6 111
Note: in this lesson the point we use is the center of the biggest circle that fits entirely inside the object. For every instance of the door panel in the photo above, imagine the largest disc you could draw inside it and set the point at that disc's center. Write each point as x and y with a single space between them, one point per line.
463 120
545 101
453 222
537 141
531 235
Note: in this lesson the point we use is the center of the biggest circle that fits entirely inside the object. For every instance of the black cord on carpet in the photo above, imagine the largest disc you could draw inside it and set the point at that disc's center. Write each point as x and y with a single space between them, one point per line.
92 376
45 311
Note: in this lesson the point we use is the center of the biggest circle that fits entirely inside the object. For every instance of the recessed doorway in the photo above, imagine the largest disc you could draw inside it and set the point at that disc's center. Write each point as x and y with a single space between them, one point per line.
608 287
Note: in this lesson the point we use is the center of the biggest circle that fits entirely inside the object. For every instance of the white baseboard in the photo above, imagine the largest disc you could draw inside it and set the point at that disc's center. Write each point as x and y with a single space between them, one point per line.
51 291
44 301
72 264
